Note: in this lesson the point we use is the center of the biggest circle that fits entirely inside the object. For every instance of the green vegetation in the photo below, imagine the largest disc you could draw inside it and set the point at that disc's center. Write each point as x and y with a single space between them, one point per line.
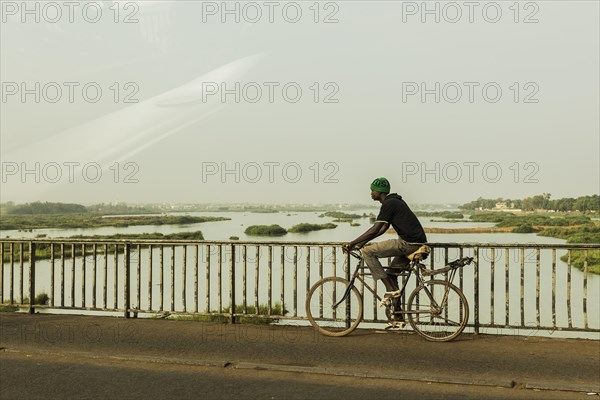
582 204
578 260
41 299
46 208
63 221
197 235
276 230
234 238
341 216
43 250
572 228
260 317
525 228
508 219
302 228
38 215
443 214
265 230
8 308
581 234
120 208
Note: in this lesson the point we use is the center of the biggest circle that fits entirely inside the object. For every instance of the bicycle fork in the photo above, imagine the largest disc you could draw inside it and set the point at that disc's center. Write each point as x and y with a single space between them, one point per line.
347 291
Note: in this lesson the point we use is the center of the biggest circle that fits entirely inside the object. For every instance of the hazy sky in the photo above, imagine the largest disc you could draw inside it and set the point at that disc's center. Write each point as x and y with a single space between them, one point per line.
298 102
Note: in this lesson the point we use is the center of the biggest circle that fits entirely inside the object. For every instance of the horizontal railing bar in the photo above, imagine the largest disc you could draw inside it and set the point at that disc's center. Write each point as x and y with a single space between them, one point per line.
280 243
48 307
157 312
518 245
165 242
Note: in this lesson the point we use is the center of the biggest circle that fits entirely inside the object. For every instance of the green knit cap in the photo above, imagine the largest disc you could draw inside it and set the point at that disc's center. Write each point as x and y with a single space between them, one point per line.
381 185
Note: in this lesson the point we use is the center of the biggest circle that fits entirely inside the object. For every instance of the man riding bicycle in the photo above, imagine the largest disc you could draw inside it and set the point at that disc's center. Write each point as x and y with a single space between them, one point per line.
394 211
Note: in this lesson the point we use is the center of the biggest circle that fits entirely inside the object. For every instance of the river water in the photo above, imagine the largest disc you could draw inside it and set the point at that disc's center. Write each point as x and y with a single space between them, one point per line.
239 221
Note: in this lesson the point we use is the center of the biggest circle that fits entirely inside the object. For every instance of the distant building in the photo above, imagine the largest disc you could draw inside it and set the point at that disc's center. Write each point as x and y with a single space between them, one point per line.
501 206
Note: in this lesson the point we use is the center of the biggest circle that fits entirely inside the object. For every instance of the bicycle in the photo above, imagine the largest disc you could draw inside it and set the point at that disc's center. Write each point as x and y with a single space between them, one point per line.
436 309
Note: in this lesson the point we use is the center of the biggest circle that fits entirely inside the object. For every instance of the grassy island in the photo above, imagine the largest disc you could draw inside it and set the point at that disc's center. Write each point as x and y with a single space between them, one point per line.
302 228
341 216
442 214
66 221
265 230
197 235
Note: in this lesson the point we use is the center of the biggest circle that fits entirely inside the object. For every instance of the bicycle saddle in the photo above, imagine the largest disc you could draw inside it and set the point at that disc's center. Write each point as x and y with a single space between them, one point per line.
421 253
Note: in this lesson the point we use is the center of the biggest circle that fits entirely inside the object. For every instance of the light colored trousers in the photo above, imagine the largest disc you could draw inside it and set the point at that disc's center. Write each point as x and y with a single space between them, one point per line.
396 248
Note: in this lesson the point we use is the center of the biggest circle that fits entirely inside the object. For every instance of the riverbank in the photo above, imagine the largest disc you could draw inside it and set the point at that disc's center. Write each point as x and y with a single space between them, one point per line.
66 221
464 230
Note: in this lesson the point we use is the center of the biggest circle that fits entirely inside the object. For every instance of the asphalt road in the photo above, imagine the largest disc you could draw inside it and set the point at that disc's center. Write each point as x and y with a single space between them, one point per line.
59 356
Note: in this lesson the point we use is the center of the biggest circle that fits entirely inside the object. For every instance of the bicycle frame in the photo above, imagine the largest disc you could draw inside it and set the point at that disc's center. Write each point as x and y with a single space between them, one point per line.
414 266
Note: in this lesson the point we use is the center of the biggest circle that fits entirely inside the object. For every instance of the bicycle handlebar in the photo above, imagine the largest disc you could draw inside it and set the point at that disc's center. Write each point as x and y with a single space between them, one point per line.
461 262
355 254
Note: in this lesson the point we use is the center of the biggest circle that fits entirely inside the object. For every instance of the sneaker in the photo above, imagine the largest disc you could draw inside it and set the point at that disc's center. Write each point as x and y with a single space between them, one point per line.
389 296
395 325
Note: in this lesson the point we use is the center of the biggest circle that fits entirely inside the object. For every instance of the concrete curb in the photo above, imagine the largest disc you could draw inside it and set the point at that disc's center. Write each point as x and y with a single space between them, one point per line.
564 387
506 383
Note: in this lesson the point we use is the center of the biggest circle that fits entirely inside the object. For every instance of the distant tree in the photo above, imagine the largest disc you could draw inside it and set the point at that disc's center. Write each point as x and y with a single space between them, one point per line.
537 202
48 208
587 203
540 202
564 204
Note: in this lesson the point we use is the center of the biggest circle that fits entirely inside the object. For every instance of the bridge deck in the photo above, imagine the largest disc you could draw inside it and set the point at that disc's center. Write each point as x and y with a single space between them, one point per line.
484 360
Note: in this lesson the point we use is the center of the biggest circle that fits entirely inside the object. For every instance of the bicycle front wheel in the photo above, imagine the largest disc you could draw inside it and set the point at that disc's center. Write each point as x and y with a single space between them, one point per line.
324 312
438 311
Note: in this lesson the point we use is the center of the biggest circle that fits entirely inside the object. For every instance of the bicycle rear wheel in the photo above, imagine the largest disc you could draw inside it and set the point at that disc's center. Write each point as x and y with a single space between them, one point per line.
322 298
438 318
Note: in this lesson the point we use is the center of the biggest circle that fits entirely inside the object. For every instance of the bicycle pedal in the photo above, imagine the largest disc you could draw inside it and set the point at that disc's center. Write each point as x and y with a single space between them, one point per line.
389 296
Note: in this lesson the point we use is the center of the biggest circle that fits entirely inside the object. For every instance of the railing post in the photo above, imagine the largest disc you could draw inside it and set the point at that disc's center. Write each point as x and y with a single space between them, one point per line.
232 285
476 291
348 310
31 277
2 272
126 280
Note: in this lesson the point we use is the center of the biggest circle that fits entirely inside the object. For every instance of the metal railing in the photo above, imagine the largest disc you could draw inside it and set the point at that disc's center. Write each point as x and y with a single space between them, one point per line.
510 286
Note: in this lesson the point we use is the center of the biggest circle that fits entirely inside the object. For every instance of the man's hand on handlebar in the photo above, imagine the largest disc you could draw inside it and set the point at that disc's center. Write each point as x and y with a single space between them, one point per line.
347 247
